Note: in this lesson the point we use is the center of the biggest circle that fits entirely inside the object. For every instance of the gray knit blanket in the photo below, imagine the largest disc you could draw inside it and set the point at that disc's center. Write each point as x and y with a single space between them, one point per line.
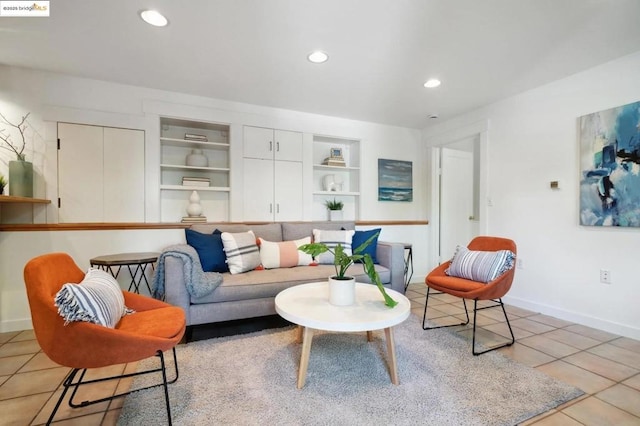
198 282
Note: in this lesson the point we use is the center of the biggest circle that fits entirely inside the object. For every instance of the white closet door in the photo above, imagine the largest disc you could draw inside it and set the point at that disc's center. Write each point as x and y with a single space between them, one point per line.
258 190
258 142
80 173
123 175
288 191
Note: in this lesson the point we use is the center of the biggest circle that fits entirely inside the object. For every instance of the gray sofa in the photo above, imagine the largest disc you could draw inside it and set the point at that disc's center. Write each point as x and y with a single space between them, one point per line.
251 294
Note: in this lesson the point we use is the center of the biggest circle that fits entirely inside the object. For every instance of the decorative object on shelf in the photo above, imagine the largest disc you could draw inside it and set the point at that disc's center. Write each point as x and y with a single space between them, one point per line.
197 159
3 183
194 210
20 171
335 159
341 262
195 137
395 180
335 209
195 181
332 183
609 160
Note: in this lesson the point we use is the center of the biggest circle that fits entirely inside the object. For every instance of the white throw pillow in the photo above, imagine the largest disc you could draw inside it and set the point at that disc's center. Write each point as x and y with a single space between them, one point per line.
97 299
331 239
481 266
242 251
284 254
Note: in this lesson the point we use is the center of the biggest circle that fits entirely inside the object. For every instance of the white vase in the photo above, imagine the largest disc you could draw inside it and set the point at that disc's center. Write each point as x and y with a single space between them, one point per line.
194 208
197 159
342 292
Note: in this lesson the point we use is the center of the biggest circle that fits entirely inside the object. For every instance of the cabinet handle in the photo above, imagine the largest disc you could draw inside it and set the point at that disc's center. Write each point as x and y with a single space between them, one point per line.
278 146
270 208
270 146
278 208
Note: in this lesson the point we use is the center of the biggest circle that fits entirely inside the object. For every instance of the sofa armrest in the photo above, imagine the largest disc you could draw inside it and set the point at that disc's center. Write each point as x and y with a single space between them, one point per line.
174 286
391 256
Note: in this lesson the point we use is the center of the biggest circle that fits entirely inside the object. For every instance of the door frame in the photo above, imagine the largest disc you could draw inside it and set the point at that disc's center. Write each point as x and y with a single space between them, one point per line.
435 142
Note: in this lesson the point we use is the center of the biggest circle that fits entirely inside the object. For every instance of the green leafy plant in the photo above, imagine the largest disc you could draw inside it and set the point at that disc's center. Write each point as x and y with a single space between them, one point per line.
342 261
3 182
4 136
334 205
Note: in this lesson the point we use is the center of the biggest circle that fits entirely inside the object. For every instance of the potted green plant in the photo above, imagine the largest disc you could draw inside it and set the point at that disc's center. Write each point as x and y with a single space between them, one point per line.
342 286
335 209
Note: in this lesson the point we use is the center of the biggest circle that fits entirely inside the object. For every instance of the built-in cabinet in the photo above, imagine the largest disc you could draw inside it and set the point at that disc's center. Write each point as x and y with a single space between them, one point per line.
100 174
272 174
339 182
178 139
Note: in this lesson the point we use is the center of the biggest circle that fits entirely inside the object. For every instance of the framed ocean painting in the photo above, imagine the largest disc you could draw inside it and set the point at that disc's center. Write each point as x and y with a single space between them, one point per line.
610 167
395 180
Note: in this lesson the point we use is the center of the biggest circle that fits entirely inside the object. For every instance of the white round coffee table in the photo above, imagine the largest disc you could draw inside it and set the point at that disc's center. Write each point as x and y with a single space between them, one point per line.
308 306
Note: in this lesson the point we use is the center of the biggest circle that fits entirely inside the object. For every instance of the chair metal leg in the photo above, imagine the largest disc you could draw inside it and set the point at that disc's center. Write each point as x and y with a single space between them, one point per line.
68 383
473 343
424 317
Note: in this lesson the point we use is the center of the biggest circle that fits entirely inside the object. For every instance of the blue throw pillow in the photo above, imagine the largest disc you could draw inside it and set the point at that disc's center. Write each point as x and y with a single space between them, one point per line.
360 237
210 250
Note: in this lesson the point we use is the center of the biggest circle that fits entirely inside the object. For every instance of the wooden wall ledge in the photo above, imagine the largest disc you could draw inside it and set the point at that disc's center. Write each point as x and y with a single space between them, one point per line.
131 226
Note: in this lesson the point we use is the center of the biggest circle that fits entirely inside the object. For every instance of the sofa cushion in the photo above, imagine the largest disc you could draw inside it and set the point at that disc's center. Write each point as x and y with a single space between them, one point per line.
295 231
360 237
241 250
331 239
269 282
209 248
268 231
283 254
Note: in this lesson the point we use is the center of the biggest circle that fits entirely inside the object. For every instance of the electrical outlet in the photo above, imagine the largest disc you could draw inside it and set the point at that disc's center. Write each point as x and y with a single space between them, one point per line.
605 276
519 263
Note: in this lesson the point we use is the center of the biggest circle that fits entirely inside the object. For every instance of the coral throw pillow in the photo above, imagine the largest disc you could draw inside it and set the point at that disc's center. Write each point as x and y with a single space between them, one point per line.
284 254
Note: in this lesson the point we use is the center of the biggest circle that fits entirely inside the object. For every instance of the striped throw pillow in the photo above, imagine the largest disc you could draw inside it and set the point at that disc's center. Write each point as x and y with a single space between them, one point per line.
331 239
97 299
242 251
481 266
284 254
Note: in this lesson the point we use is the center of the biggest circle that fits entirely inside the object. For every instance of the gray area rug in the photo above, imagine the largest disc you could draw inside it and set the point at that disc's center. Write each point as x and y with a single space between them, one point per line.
251 380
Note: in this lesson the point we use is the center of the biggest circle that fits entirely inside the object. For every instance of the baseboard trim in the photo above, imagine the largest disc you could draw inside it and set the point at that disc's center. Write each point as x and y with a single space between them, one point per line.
16 325
576 317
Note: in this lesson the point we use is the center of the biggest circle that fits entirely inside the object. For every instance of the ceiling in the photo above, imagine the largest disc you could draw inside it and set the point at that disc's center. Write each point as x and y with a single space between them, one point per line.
381 51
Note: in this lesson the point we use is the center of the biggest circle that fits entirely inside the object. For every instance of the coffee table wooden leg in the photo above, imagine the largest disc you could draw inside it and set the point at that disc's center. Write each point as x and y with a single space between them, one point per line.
369 336
299 331
304 358
391 354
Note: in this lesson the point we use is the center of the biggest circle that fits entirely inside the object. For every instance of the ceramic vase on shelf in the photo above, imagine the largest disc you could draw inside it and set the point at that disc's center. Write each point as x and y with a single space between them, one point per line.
197 159
21 179
194 208
335 215
342 292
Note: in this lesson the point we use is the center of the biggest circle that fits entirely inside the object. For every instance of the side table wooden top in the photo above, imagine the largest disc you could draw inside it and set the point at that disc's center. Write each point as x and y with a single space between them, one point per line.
125 259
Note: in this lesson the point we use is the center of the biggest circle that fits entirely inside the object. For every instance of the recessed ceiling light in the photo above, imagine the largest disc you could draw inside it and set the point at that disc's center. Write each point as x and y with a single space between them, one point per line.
154 18
318 57
432 82
433 115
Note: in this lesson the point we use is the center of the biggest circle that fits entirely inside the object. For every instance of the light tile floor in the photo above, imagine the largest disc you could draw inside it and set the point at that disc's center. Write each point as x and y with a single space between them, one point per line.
605 366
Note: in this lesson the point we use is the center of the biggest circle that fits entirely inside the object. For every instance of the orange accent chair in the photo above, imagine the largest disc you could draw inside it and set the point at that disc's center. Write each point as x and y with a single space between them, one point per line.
439 281
154 328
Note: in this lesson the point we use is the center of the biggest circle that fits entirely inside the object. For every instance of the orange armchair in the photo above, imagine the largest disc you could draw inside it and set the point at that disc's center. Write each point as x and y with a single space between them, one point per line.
439 281
154 328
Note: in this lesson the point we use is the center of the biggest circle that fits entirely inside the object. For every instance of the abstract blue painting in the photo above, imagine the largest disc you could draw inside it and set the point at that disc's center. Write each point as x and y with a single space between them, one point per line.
610 167
395 180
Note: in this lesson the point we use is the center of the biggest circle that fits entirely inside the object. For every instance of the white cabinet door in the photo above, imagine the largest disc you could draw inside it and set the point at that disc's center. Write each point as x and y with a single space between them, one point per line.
123 175
258 190
100 174
258 142
80 173
288 190
288 145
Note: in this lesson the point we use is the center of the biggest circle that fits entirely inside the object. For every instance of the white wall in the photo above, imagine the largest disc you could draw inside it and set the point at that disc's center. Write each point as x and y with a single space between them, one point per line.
532 140
52 98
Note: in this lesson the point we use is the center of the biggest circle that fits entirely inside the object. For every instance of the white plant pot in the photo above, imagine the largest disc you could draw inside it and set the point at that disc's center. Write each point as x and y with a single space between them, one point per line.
335 215
342 292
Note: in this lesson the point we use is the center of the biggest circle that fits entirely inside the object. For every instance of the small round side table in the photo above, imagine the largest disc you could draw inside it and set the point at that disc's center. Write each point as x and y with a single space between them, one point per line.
136 263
